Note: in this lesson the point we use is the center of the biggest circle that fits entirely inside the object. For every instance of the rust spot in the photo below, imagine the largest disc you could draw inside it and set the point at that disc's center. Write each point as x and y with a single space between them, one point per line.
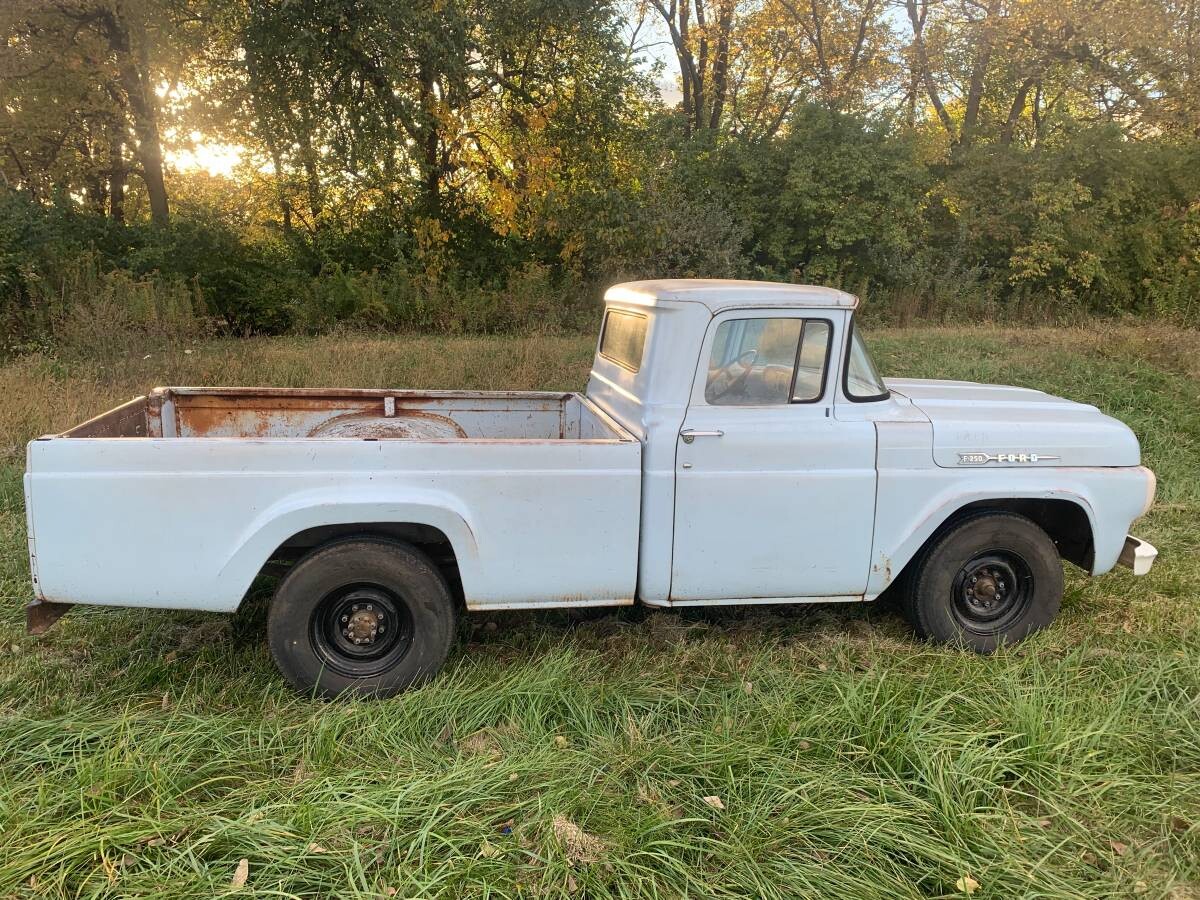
884 566
265 412
405 425
262 413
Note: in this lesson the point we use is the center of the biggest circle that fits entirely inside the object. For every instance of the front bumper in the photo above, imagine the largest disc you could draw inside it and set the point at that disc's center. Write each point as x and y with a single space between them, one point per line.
1137 554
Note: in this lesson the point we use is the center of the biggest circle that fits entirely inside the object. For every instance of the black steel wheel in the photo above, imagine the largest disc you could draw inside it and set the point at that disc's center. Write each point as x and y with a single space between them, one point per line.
361 630
991 591
992 578
364 615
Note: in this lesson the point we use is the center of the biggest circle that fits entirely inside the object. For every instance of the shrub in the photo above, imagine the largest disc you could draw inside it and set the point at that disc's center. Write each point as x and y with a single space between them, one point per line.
1096 223
836 200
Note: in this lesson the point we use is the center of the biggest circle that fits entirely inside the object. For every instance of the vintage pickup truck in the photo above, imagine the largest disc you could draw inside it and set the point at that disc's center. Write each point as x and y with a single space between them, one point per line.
735 445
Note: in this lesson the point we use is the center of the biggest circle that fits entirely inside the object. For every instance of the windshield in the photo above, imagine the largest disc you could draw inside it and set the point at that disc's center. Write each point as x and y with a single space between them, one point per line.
862 380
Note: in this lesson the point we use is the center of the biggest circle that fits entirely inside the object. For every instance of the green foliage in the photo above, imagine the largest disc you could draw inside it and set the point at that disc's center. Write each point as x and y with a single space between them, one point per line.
1092 224
836 199
471 166
51 258
660 229
1096 222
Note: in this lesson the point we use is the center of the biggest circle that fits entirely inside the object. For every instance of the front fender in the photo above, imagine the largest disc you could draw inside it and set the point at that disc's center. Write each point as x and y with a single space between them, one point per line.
311 509
913 503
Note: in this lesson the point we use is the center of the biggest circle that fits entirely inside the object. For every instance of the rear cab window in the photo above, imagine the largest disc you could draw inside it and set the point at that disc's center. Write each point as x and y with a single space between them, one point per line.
623 338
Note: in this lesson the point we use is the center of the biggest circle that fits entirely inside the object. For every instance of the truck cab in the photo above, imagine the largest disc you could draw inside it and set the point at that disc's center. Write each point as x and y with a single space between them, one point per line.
780 467
735 445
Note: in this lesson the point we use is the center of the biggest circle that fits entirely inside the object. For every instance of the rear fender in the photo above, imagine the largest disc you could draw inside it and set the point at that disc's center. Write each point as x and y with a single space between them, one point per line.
312 509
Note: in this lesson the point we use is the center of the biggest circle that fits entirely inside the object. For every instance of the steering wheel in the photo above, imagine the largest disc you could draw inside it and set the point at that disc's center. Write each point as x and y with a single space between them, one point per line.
735 379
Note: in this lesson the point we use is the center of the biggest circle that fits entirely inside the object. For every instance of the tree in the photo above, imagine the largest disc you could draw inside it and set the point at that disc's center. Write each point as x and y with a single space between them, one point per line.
701 36
992 70
744 66
80 85
437 105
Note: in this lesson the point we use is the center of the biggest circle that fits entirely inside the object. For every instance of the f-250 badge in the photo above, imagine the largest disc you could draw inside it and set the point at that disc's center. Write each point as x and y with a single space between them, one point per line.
981 459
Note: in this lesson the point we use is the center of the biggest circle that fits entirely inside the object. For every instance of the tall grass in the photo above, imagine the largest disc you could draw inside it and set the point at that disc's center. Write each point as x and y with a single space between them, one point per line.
411 299
89 310
93 311
149 753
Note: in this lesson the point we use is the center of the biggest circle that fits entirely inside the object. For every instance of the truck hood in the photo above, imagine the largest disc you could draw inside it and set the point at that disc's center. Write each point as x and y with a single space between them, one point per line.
994 425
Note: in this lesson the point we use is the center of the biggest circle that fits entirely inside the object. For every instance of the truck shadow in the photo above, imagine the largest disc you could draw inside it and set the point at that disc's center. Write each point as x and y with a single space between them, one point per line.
638 624
598 625
523 637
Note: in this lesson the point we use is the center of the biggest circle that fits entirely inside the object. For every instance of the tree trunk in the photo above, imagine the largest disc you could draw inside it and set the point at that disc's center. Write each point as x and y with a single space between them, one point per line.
135 82
693 105
701 68
922 62
1015 112
312 177
94 187
266 127
116 174
677 18
149 144
721 64
430 144
285 208
22 173
978 77
1036 115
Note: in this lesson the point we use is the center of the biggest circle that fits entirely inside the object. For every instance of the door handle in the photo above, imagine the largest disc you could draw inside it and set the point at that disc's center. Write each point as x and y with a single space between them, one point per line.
690 434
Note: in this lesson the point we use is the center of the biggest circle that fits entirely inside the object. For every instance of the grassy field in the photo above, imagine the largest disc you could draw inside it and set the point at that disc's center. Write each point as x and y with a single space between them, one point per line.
151 753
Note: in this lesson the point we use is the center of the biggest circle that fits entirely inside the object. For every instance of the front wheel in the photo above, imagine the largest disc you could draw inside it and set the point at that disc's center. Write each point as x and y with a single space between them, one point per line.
992 579
365 616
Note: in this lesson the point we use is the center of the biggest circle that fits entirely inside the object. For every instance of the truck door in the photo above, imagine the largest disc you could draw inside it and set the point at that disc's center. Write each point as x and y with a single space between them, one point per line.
774 497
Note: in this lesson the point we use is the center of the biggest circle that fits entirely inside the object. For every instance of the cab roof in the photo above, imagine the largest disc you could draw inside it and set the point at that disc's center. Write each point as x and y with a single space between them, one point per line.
717 294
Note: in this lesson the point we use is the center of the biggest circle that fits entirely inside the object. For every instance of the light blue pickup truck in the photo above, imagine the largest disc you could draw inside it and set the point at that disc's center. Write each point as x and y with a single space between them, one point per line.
735 445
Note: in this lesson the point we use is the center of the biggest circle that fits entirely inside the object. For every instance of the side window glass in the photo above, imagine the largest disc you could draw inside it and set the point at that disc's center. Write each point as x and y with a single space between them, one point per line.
814 354
752 362
862 378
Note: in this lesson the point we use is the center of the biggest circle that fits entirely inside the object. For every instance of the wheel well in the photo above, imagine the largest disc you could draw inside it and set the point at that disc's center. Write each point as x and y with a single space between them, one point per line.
1065 521
431 541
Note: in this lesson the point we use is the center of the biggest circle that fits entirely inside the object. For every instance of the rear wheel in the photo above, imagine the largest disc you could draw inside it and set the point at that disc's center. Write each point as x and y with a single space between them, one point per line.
366 616
992 579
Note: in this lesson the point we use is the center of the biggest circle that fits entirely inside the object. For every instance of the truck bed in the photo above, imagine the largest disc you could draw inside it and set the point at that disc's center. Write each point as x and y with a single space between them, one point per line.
179 498
323 414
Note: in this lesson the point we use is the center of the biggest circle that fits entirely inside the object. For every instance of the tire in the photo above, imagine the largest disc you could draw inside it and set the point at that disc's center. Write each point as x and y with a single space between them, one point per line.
1017 586
364 616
